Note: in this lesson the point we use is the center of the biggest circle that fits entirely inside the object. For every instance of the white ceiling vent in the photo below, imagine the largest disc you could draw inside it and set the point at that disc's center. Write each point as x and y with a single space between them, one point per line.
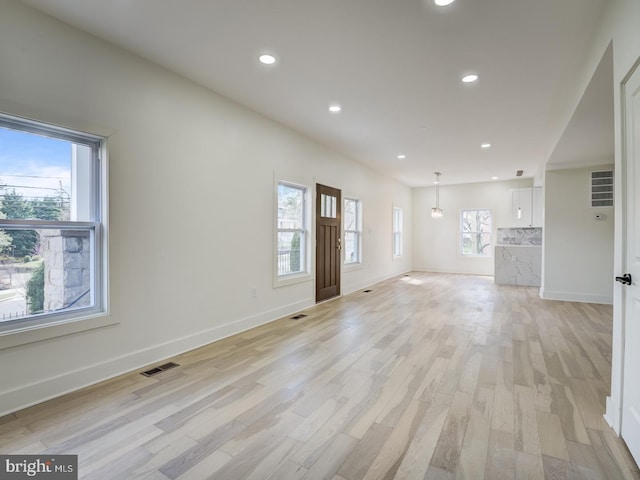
602 189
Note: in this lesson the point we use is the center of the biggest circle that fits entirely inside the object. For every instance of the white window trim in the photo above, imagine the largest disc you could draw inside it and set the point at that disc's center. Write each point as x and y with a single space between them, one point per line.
393 233
293 278
51 325
358 263
491 244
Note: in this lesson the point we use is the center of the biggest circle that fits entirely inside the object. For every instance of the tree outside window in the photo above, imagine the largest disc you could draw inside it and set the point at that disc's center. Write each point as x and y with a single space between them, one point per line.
476 232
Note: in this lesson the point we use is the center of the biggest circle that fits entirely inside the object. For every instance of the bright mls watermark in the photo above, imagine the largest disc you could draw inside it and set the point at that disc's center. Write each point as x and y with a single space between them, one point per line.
51 467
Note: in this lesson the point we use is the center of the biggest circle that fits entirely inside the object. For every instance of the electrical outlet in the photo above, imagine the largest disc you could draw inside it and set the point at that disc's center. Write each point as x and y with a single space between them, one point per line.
254 292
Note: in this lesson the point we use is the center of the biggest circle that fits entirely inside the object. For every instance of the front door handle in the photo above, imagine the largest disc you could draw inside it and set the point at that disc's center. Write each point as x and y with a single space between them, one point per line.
625 279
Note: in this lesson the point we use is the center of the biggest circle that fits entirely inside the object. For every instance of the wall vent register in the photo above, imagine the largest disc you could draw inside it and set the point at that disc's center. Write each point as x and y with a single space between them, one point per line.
602 189
161 368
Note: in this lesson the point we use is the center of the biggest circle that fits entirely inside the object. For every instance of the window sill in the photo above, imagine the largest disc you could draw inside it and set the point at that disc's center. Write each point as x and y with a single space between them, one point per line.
29 332
347 267
291 279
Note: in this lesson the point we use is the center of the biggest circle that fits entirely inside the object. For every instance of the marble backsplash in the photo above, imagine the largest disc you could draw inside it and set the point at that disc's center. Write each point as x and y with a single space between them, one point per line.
520 236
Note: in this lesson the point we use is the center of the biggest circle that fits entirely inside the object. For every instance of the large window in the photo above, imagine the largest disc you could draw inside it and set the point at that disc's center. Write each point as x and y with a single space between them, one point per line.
475 232
352 231
291 255
397 232
50 223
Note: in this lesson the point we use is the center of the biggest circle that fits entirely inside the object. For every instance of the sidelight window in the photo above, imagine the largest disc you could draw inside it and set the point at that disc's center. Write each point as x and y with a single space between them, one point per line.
352 231
291 254
397 232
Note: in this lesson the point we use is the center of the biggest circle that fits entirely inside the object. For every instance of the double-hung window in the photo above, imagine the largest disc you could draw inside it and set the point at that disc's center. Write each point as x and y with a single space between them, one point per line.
291 242
352 231
397 232
475 231
51 224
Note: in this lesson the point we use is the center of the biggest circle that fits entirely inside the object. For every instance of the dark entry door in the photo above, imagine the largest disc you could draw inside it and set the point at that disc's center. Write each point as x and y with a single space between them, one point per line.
328 242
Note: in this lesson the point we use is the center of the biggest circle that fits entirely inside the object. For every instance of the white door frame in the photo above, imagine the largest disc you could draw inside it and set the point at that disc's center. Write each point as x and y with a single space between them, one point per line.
614 403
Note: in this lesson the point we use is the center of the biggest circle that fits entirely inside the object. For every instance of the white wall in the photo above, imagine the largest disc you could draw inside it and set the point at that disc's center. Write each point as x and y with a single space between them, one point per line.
620 26
191 204
578 250
436 243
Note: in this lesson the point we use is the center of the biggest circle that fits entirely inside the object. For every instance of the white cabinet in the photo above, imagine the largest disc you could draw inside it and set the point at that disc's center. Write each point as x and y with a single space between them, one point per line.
526 207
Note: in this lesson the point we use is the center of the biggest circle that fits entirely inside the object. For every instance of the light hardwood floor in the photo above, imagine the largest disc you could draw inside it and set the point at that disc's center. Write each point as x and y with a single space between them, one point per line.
427 376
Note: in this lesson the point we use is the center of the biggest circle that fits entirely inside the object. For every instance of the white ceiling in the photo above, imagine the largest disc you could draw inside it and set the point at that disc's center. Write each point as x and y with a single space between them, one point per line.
394 66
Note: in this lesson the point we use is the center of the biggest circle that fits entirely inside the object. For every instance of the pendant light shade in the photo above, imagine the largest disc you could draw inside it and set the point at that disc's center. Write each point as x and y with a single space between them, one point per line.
436 212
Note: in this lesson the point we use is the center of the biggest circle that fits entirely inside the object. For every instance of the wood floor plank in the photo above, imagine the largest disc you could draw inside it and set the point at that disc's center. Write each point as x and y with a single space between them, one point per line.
501 457
556 468
448 448
552 440
565 406
418 455
527 438
327 465
529 467
362 456
389 459
473 457
429 376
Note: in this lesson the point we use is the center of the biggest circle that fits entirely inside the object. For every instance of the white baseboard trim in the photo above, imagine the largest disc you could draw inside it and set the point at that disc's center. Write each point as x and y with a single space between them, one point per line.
38 392
575 297
451 272
369 283
612 414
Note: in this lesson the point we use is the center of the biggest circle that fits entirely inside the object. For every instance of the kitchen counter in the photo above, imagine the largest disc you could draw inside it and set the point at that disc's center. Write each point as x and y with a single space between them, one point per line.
518 265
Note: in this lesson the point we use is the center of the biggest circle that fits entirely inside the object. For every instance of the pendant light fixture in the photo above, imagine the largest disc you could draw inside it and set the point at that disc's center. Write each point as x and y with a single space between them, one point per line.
436 212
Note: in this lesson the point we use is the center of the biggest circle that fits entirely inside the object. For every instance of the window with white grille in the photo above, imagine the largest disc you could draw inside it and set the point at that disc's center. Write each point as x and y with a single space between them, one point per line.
52 224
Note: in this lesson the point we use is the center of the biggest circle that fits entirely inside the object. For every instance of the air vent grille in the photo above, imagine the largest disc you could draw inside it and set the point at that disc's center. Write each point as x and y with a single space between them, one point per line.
602 189
161 368
298 317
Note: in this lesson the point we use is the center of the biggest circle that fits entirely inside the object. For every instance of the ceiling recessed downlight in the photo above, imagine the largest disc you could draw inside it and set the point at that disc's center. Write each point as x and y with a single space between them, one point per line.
335 108
267 59
470 78
401 157
485 145
494 178
443 3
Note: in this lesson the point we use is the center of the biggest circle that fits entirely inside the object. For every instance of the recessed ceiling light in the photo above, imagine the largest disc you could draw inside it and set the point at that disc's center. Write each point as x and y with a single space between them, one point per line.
470 78
335 108
401 157
485 145
443 3
267 59
494 178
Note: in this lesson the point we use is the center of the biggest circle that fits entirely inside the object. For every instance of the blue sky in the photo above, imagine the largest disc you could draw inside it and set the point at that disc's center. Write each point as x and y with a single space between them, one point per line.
34 164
